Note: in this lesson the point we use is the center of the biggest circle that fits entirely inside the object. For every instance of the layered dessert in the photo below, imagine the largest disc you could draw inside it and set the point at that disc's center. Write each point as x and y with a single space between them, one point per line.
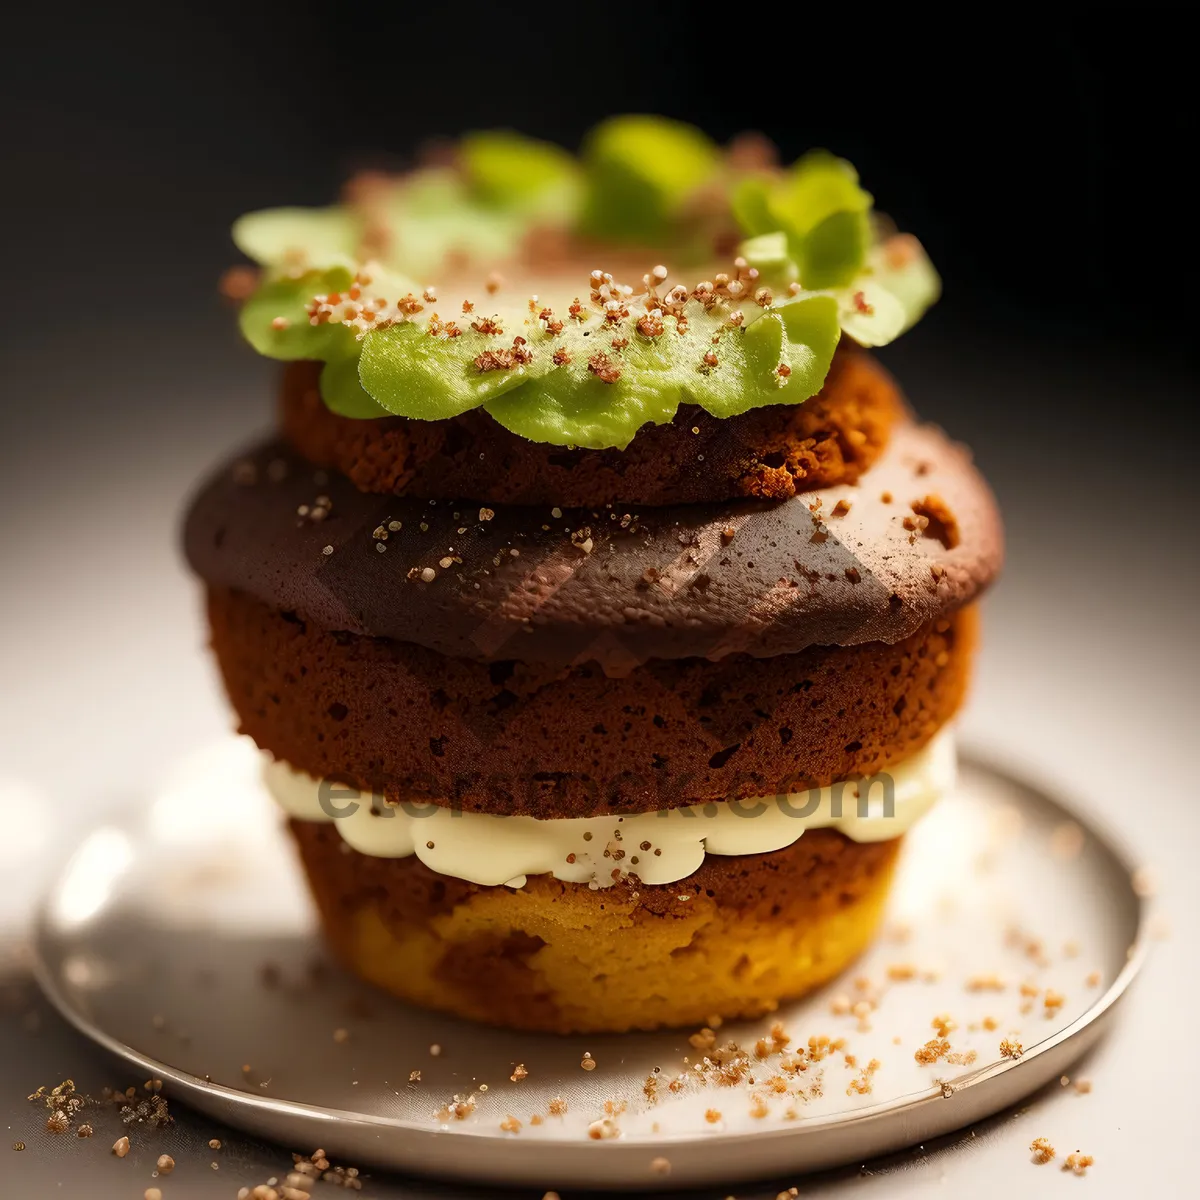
599 606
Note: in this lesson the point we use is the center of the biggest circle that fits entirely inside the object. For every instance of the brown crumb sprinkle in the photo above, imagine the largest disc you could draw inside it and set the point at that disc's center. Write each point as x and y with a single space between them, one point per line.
1078 1163
863 1085
121 1147
1053 1001
238 283
990 982
1144 882
605 368
1041 1150
489 326
519 1073
943 1024
1066 840
1011 1048
933 1049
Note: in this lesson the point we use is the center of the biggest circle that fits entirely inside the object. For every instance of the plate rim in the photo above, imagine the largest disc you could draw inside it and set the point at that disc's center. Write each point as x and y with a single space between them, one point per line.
970 757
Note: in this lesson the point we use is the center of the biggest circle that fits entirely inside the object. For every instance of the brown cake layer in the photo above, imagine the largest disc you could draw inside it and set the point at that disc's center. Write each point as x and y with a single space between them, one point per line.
512 737
918 539
732 939
768 453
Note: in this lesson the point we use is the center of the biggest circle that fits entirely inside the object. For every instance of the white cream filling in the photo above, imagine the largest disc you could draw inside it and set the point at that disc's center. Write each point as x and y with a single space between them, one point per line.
657 847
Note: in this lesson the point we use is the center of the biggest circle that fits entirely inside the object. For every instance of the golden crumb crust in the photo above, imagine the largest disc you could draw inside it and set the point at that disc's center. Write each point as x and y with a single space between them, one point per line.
772 452
511 737
732 940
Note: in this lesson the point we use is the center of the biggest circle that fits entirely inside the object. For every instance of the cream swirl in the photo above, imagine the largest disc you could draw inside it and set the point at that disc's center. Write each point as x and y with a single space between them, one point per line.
656 847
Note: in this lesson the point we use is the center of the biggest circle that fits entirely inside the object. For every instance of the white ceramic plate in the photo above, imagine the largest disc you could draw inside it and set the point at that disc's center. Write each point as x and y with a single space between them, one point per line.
183 941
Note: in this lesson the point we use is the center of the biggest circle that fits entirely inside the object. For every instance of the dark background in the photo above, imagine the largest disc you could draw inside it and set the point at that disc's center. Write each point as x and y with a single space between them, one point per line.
1039 158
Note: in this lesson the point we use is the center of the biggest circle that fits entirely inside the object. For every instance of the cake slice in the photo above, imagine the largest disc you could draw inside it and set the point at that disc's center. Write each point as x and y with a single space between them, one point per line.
601 621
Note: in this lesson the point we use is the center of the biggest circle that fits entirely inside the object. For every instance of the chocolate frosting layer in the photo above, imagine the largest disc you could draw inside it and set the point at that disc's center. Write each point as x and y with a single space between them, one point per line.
617 585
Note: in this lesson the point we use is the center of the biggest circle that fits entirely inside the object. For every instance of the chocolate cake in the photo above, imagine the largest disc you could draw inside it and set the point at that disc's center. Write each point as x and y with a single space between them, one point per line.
601 632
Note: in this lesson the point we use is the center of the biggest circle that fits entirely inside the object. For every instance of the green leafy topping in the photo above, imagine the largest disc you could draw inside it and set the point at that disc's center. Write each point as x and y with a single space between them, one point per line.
822 212
818 186
601 396
520 173
889 295
341 389
337 284
593 373
902 267
566 409
434 219
275 320
833 252
640 172
870 314
768 254
750 203
299 238
430 376
798 335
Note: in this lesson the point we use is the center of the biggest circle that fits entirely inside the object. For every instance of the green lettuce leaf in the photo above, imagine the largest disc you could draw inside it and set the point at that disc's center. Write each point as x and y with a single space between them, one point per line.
341 389
901 265
640 171
299 238
274 320
521 174
594 383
